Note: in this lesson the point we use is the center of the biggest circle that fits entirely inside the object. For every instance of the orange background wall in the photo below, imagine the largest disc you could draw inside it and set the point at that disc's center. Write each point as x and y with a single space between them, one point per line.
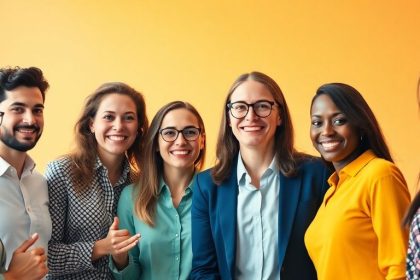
193 50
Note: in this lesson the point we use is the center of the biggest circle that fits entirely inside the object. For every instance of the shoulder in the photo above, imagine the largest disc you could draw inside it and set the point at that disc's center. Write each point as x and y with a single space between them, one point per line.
382 167
127 193
312 164
61 164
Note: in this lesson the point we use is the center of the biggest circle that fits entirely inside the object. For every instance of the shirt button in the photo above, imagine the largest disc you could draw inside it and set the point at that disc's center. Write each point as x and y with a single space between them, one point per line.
177 258
176 235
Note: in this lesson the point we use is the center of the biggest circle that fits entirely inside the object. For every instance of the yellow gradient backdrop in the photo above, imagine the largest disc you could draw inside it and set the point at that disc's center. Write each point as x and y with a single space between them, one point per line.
193 50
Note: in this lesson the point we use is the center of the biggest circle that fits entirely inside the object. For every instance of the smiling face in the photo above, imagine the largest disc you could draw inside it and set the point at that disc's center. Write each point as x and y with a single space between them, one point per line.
332 135
180 154
115 125
23 118
253 131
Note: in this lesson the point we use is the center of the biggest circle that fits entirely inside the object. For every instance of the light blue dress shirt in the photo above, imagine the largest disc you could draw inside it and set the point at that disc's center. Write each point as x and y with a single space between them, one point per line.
257 225
164 251
23 207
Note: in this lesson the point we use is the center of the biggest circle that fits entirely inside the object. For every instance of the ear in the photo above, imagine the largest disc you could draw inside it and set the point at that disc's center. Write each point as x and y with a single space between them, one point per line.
91 127
202 141
279 120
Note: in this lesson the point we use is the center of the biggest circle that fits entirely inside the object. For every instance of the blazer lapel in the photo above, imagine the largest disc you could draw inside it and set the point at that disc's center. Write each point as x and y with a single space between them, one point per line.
227 201
289 199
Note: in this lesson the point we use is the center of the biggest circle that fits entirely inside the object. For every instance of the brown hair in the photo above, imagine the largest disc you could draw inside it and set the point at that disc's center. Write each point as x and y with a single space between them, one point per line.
146 192
228 146
85 152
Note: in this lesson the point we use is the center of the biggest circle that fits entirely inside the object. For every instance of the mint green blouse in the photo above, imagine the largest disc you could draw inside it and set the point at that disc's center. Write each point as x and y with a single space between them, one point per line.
164 251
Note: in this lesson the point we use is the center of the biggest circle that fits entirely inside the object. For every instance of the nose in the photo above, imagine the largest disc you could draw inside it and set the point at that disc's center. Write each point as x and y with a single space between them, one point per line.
180 140
117 124
29 117
327 129
251 114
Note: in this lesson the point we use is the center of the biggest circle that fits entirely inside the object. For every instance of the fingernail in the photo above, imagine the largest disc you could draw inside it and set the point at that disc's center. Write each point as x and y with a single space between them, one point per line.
34 235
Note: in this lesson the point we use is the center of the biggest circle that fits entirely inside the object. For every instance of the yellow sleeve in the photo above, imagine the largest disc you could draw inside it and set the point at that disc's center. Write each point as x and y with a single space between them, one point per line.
390 199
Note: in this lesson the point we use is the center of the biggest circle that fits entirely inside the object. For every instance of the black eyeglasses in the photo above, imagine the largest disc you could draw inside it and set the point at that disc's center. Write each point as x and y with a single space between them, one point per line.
170 134
261 108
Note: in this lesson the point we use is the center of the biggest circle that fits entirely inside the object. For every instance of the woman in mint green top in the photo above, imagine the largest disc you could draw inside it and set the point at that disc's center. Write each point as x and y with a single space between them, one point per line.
159 206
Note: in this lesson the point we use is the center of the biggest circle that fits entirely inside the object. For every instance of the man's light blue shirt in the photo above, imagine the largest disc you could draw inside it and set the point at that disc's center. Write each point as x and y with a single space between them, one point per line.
23 207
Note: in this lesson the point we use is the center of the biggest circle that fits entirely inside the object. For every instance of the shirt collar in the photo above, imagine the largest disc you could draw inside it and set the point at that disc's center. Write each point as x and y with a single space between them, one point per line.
126 168
241 171
28 165
162 185
354 167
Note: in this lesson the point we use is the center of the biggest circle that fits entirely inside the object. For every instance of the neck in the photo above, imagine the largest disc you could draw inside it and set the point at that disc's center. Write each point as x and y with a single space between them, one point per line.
14 157
256 163
114 167
177 180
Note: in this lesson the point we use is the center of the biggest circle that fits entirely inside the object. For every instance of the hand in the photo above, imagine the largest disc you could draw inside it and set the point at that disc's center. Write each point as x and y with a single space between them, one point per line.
117 243
27 264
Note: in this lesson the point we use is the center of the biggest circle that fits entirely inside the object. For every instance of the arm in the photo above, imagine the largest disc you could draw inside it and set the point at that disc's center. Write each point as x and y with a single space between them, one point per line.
389 200
63 258
123 266
204 263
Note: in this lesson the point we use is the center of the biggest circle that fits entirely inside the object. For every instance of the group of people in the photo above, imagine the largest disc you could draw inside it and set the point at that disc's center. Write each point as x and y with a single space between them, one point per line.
130 201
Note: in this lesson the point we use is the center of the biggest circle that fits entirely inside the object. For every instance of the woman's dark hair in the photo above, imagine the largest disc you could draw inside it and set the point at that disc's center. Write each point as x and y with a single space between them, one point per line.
227 147
358 113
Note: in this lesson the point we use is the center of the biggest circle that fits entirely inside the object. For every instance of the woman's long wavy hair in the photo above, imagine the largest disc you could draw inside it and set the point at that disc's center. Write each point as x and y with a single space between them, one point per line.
227 147
85 152
146 191
359 115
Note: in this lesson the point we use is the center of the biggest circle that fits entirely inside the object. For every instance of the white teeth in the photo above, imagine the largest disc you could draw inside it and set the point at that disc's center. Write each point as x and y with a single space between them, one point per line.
330 145
180 152
116 138
26 130
252 128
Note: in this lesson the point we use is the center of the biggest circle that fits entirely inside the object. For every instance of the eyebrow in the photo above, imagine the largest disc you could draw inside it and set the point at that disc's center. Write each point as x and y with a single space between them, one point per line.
26 105
333 115
113 112
173 127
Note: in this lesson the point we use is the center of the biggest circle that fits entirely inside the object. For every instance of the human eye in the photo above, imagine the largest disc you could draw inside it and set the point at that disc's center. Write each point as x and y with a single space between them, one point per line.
18 110
262 105
169 132
339 121
190 132
38 111
108 117
316 123
238 106
129 117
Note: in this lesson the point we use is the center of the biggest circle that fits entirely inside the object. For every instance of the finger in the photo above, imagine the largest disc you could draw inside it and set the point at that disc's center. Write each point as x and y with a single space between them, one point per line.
27 243
38 251
128 247
115 224
127 242
119 232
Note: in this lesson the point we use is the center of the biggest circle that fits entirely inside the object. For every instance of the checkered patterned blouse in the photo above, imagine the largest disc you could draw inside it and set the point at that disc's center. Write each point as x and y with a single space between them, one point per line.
78 220
413 254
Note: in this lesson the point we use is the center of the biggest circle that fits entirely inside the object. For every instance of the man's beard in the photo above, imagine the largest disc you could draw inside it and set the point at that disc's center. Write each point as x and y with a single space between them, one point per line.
10 140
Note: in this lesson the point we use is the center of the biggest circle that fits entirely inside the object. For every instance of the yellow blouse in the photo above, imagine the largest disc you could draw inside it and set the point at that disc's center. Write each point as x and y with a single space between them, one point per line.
357 231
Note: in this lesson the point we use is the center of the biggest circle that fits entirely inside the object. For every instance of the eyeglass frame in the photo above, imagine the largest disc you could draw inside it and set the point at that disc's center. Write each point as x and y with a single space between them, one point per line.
1 117
272 103
178 132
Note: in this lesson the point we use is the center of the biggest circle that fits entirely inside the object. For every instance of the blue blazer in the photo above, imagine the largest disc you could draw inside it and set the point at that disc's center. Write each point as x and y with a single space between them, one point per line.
213 217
